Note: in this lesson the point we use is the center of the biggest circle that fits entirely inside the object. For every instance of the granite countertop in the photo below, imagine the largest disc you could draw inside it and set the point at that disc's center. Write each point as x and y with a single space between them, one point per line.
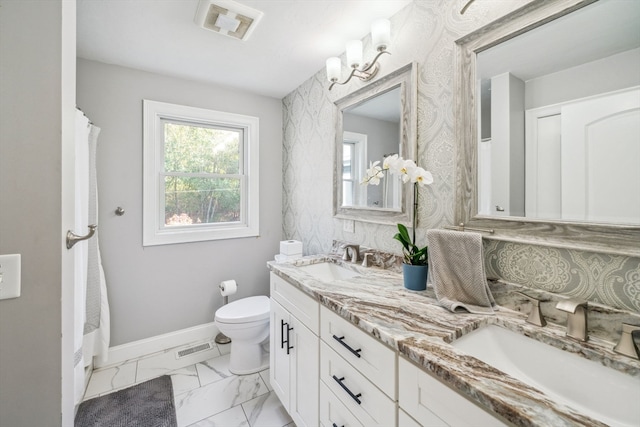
419 329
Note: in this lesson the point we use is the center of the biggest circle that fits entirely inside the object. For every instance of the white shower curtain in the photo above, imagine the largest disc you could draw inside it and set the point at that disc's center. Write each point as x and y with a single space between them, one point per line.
91 330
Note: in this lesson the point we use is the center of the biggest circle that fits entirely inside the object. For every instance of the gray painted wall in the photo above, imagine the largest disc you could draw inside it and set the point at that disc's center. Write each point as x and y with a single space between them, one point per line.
425 31
383 137
584 80
160 289
30 210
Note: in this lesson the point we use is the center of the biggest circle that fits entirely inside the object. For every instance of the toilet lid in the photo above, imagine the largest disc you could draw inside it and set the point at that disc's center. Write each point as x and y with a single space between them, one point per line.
244 310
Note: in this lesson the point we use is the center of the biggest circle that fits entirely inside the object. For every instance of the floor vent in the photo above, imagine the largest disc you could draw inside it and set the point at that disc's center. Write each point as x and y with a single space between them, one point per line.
192 350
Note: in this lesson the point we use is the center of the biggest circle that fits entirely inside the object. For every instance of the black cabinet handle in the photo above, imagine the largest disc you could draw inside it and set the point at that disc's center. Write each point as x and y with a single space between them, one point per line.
289 329
345 388
335 425
348 347
282 341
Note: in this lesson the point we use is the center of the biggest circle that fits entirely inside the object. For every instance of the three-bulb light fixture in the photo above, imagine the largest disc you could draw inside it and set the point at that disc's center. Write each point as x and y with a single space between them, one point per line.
380 38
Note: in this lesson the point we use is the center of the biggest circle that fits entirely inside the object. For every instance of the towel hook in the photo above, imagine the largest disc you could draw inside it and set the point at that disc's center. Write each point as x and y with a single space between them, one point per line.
73 238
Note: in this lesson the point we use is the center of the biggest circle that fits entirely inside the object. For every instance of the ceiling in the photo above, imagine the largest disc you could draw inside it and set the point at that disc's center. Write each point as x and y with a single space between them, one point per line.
289 45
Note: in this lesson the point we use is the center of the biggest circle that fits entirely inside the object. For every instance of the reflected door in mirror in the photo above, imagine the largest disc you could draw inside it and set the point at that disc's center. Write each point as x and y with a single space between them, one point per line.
558 119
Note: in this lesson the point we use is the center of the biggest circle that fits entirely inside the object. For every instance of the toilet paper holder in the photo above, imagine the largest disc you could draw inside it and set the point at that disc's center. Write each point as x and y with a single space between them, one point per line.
222 338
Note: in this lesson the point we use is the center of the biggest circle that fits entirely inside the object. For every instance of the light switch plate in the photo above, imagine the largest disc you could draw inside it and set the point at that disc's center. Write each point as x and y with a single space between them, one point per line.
9 276
349 226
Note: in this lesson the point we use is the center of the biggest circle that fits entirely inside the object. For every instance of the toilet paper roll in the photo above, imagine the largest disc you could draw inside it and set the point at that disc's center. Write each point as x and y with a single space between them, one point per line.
228 287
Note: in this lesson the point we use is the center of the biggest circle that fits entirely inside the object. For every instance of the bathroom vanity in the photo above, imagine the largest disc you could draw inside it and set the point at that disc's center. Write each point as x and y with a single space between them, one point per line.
350 346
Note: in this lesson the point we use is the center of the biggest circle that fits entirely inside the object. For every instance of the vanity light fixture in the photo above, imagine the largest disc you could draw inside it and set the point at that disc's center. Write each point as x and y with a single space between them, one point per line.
380 38
465 7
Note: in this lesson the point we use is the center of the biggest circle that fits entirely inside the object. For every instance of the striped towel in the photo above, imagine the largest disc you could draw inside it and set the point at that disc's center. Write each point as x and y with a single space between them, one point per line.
456 268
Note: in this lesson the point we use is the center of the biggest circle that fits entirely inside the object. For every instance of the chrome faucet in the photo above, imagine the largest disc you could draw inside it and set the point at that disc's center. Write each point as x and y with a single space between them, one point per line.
535 315
355 249
627 345
577 318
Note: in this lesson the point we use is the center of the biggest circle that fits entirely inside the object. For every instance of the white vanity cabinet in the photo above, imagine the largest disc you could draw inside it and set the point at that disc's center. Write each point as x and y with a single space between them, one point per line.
328 372
431 403
294 352
358 376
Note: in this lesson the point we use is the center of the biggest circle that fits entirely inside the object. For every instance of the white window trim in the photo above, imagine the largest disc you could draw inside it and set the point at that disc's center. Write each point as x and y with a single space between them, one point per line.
154 231
359 165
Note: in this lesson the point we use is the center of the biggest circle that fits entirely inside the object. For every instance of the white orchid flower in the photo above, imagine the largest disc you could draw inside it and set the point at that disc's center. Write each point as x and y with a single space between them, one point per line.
373 174
405 168
421 177
390 163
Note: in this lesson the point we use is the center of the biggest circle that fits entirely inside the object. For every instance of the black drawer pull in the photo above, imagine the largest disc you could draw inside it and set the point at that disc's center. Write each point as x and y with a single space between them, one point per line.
289 329
348 347
335 425
345 388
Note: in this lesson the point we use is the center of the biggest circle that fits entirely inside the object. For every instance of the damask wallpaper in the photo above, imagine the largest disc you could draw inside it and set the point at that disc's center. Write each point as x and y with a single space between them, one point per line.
425 32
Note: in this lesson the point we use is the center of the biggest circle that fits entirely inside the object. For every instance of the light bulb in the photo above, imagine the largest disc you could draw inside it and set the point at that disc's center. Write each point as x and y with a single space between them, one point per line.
333 68
381 34
354 53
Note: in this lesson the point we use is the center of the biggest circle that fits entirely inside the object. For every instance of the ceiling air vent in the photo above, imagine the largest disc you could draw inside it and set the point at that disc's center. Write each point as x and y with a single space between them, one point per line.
227 17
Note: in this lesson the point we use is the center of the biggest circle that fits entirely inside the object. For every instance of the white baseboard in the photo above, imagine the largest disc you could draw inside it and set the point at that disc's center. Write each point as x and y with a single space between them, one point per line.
134 350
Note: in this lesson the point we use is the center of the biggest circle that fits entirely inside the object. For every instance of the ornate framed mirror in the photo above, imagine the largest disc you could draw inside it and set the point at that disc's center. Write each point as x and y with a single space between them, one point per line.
534 163
374 122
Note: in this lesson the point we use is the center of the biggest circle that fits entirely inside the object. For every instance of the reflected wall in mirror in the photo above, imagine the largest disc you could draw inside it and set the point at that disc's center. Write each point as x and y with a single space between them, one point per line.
548 125
373 123
559 119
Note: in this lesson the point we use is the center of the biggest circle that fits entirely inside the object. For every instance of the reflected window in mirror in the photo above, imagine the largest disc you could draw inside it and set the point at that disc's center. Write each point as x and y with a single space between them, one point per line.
354 155
373 123
371 133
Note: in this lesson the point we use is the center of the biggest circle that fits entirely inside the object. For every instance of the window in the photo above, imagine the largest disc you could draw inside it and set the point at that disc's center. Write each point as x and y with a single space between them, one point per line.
354 154
200 174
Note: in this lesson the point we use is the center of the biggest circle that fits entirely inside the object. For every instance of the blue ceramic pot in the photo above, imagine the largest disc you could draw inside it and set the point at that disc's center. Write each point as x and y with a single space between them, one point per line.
415 276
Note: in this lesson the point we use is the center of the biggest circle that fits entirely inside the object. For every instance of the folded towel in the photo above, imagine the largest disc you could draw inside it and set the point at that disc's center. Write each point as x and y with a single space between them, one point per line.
456 268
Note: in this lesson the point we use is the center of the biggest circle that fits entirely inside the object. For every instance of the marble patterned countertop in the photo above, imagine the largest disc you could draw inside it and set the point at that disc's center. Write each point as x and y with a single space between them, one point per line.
419 329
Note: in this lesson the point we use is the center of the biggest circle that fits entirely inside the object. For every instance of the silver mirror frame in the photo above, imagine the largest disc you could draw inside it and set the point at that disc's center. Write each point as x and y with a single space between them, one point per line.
593 237
407 79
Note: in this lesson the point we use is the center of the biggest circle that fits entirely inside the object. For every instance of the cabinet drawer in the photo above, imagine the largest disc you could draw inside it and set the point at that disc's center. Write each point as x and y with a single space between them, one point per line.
296 302
333 412
431 402
363 399
405 420
370 357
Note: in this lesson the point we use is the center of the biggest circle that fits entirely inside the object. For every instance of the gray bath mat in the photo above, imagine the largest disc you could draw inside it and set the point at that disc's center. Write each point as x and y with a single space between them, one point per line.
149 404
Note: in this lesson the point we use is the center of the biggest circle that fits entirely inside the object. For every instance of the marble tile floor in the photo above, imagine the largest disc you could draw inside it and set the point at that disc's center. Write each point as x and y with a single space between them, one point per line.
206 393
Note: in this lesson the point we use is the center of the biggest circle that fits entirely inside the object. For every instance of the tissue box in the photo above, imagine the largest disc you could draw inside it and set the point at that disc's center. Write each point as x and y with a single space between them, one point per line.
291 247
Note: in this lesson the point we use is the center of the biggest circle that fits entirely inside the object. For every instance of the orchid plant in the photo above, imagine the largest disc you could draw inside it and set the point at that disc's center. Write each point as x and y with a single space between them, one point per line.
407 171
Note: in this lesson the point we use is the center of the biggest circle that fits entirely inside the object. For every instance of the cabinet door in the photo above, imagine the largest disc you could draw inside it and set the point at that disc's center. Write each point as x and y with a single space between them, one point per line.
333 412
305 362
433 403
279 374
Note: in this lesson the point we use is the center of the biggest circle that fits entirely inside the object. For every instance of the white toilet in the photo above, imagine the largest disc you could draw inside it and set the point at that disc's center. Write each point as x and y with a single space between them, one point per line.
246 322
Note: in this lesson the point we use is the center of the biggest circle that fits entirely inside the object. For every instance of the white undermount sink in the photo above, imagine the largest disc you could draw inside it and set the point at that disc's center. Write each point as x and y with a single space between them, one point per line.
590 388
328 271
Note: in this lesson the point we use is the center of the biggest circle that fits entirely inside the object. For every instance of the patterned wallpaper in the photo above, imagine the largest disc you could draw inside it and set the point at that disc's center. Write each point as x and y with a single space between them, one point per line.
425 32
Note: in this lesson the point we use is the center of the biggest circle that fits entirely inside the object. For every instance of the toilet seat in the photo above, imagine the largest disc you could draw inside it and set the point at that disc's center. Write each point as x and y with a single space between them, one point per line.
245 310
